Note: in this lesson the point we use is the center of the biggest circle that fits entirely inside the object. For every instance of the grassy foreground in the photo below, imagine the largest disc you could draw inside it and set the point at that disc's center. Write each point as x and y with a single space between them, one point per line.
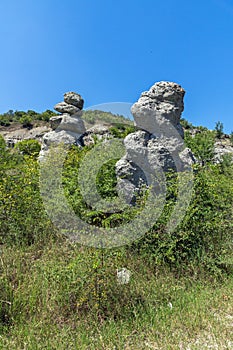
65 297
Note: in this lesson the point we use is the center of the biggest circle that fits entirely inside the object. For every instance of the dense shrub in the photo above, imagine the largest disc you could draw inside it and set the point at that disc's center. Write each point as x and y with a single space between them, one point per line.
205 233
121 130
219 129
26 121
25 118
202 145
29 147
22 216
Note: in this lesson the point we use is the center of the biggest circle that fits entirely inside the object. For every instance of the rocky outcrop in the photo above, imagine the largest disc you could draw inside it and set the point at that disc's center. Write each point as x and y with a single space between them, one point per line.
68 127
158 145
74 99
99 132
221 148
159 108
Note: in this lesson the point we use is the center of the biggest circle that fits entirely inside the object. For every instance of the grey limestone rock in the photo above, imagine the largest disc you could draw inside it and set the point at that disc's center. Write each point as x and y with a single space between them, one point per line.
74 99
55 121
221 149
158 146
63 107
160 106
100 131
66 128
74 124
56 137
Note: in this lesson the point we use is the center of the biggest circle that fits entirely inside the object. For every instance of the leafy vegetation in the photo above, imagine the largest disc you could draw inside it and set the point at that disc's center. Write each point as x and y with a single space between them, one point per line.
58 295
186 124
202 145
219 129
121 130
92 116
25 118
29 147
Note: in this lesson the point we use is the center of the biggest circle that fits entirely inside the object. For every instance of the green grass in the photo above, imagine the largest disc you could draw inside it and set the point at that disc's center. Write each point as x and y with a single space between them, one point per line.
59 296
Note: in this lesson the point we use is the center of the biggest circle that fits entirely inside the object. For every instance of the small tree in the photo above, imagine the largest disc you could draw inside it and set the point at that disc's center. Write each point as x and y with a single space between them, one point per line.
219 129
202 145
29 147
26 120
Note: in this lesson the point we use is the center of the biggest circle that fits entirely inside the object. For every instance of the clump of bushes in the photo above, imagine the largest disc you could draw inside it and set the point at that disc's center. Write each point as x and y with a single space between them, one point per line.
25 118
205 233
29 147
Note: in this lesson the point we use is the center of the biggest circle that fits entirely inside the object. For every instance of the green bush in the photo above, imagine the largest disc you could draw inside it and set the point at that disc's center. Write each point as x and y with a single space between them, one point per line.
205 233
29 147
2 145
4 121
121 130
202 145
26 121
106 117
22 216
219 129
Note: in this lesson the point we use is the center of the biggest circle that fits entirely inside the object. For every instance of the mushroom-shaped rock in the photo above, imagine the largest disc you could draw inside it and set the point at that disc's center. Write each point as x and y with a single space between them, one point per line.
158 147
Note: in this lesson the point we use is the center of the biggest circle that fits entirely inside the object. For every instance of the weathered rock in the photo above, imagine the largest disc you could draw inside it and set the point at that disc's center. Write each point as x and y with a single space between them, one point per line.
74 99
68 127
99 131
160 106
221 149
73 124
65 137
158 147
64 107
55 121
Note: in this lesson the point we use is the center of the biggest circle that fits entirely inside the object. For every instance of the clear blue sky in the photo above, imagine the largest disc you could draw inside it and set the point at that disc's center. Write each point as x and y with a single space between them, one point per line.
111 51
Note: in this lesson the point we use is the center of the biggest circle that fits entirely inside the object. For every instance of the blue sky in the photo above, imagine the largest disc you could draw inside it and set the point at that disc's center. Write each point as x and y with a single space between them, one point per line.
111 51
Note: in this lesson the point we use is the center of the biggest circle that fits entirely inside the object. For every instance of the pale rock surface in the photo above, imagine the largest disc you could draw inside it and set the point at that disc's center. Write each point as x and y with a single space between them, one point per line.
222 148
159 107
56 137
99 131
73 124
68 127
158 145
63 107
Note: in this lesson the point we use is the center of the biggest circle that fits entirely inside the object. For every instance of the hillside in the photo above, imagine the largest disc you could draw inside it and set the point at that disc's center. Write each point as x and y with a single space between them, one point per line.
163 288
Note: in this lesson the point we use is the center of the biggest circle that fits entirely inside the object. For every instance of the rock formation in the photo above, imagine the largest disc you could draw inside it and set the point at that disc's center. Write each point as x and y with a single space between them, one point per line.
99 132
158 145
68 127
159 108
221 148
